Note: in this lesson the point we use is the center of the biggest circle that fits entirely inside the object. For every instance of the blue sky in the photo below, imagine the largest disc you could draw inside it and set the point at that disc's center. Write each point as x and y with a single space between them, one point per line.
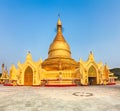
89 25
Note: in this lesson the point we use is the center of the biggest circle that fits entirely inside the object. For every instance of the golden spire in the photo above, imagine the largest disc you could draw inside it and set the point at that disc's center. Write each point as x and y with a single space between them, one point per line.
59 36
59 26
29 56
59 46
59 22
91 56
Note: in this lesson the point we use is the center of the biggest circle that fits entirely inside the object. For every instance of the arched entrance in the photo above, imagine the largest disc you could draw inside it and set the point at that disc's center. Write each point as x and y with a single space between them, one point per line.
92 76
28 76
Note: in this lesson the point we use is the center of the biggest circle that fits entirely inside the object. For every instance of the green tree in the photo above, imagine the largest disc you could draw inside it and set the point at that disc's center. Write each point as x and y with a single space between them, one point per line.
116 71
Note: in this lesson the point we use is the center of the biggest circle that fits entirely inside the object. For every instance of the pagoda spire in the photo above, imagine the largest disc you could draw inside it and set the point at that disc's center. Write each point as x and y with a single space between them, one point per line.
91 56
59 24
59 36
59 44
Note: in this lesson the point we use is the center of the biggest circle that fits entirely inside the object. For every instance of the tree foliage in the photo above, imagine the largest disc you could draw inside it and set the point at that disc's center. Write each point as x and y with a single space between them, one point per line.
116 71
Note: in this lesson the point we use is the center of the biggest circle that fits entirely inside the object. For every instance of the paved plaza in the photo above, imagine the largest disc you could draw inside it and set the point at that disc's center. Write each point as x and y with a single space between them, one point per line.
81 98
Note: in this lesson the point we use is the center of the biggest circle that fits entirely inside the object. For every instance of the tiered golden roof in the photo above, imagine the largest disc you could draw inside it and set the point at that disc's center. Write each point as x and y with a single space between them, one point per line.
59 55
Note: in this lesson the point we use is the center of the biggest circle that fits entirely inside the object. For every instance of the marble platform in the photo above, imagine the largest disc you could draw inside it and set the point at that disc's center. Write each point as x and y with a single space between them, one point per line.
80 98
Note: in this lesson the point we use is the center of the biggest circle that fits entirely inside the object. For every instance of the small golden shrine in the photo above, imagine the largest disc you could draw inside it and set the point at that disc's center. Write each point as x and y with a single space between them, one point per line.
4 78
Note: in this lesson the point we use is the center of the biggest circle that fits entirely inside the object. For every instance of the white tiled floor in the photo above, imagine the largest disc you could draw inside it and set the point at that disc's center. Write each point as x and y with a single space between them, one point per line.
82 98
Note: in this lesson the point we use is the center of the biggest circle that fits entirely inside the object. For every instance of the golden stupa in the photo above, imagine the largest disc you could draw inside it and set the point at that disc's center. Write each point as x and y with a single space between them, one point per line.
59 54
59 69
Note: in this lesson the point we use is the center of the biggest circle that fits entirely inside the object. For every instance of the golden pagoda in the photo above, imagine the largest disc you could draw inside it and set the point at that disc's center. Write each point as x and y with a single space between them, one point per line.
60 69
59 54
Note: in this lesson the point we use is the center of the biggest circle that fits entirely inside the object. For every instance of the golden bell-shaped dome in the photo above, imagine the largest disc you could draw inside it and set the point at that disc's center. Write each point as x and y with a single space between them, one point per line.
59 46
59 54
